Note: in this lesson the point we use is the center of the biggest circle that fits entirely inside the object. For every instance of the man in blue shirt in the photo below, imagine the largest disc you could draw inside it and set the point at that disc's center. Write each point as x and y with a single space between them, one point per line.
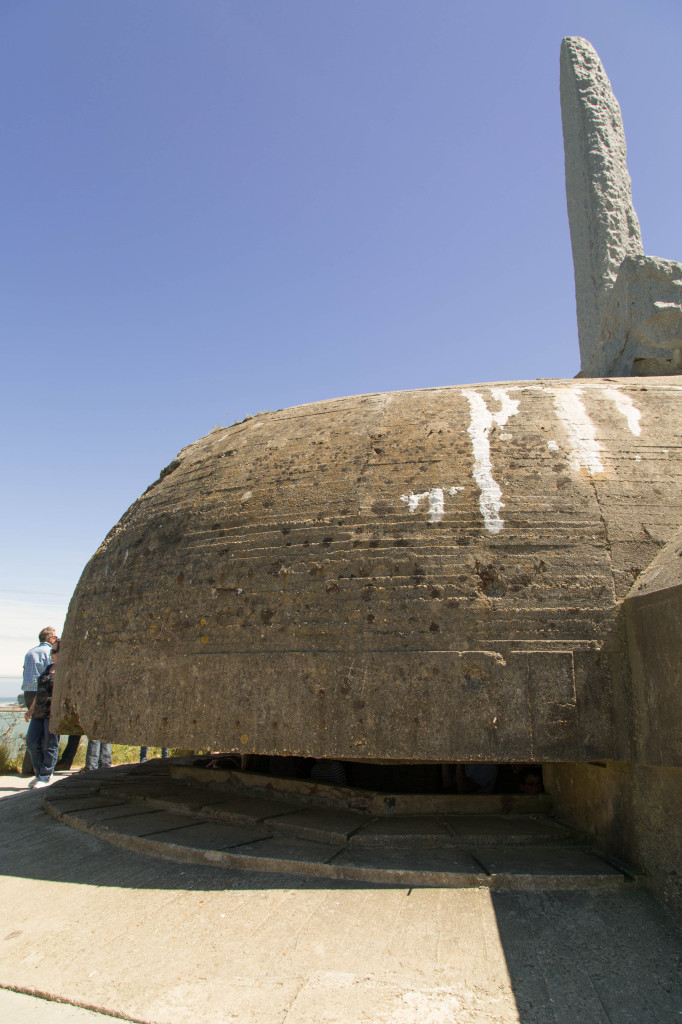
36 661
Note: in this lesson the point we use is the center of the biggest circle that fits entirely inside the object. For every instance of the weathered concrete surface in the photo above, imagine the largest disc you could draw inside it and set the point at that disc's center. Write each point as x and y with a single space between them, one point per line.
653 614
19 1008
632 811
641 327
602 219
427 575
174 944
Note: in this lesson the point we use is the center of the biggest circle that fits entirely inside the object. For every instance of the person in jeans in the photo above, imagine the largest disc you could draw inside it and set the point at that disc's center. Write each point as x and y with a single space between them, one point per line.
42 745
98 755
35 662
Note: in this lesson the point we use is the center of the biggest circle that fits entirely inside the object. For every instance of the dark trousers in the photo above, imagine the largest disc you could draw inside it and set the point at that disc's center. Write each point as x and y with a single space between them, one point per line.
143 753
27 766
43 746
66 760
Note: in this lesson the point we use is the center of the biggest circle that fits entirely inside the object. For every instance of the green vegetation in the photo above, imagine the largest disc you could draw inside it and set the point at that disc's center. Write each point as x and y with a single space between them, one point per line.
120 754
9 765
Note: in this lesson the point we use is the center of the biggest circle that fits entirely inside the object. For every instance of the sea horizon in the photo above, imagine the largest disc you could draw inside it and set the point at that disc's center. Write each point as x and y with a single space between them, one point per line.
10 686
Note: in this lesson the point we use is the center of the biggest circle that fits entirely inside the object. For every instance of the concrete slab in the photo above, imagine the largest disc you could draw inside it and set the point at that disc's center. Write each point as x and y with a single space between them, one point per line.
565 868
108 811
436 867
145 824
244 809
72 784
478 828
402 829
321 824
300 851
162 791
85 802
210 836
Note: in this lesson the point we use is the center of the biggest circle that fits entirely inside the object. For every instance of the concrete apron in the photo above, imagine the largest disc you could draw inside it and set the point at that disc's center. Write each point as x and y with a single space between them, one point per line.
158 942
261 824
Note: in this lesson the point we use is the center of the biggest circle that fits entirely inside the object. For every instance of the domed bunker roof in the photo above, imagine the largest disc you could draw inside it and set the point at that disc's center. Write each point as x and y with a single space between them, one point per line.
425 575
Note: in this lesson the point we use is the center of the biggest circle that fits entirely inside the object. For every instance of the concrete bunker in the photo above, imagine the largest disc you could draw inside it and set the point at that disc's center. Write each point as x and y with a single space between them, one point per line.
423 577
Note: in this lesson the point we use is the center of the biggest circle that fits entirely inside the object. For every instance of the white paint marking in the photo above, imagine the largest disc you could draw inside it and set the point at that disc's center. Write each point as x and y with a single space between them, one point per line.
436 509
412 500
436 504
482 422
585 450
626 407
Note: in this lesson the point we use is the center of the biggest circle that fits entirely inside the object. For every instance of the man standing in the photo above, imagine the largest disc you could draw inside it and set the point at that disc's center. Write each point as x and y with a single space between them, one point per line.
36 661
42 745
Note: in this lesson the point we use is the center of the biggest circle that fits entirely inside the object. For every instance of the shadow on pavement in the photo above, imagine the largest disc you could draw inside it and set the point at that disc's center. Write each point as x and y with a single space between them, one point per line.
591 958
36 846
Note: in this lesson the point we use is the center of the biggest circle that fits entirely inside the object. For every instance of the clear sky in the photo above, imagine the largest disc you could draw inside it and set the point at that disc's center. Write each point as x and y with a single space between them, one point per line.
217 207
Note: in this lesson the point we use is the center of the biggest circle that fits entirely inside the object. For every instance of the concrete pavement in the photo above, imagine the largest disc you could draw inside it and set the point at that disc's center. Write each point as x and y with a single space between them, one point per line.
18 1008
164 943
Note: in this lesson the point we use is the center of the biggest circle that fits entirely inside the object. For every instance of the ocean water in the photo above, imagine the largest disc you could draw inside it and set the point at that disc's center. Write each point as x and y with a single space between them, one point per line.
10 686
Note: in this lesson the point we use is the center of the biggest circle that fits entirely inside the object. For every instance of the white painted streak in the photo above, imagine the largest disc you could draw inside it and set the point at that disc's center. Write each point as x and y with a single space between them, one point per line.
626 407
436 508
510 406
435 499
412 500
481 423
585 451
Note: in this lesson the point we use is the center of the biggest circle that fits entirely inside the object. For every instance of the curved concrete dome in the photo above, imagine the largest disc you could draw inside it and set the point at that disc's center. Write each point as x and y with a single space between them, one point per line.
425 575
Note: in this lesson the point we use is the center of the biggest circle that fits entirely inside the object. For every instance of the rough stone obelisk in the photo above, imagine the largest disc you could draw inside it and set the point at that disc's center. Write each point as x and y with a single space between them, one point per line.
603 222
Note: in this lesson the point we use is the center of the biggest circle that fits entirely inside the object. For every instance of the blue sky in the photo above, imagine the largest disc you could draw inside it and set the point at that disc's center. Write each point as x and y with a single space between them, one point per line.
213 208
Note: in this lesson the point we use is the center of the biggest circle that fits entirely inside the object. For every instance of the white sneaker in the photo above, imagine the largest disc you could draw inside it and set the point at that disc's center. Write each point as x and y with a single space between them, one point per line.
39 784
32 782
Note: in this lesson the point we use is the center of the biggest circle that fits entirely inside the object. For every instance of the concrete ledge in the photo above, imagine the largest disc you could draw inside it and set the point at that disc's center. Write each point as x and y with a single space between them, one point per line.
150 813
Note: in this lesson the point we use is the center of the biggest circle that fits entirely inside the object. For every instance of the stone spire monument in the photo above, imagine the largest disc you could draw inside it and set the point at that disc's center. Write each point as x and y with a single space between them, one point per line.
628 304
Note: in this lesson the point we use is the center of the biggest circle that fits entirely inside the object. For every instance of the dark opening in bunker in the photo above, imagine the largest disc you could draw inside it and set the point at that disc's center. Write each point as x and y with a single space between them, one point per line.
394 777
